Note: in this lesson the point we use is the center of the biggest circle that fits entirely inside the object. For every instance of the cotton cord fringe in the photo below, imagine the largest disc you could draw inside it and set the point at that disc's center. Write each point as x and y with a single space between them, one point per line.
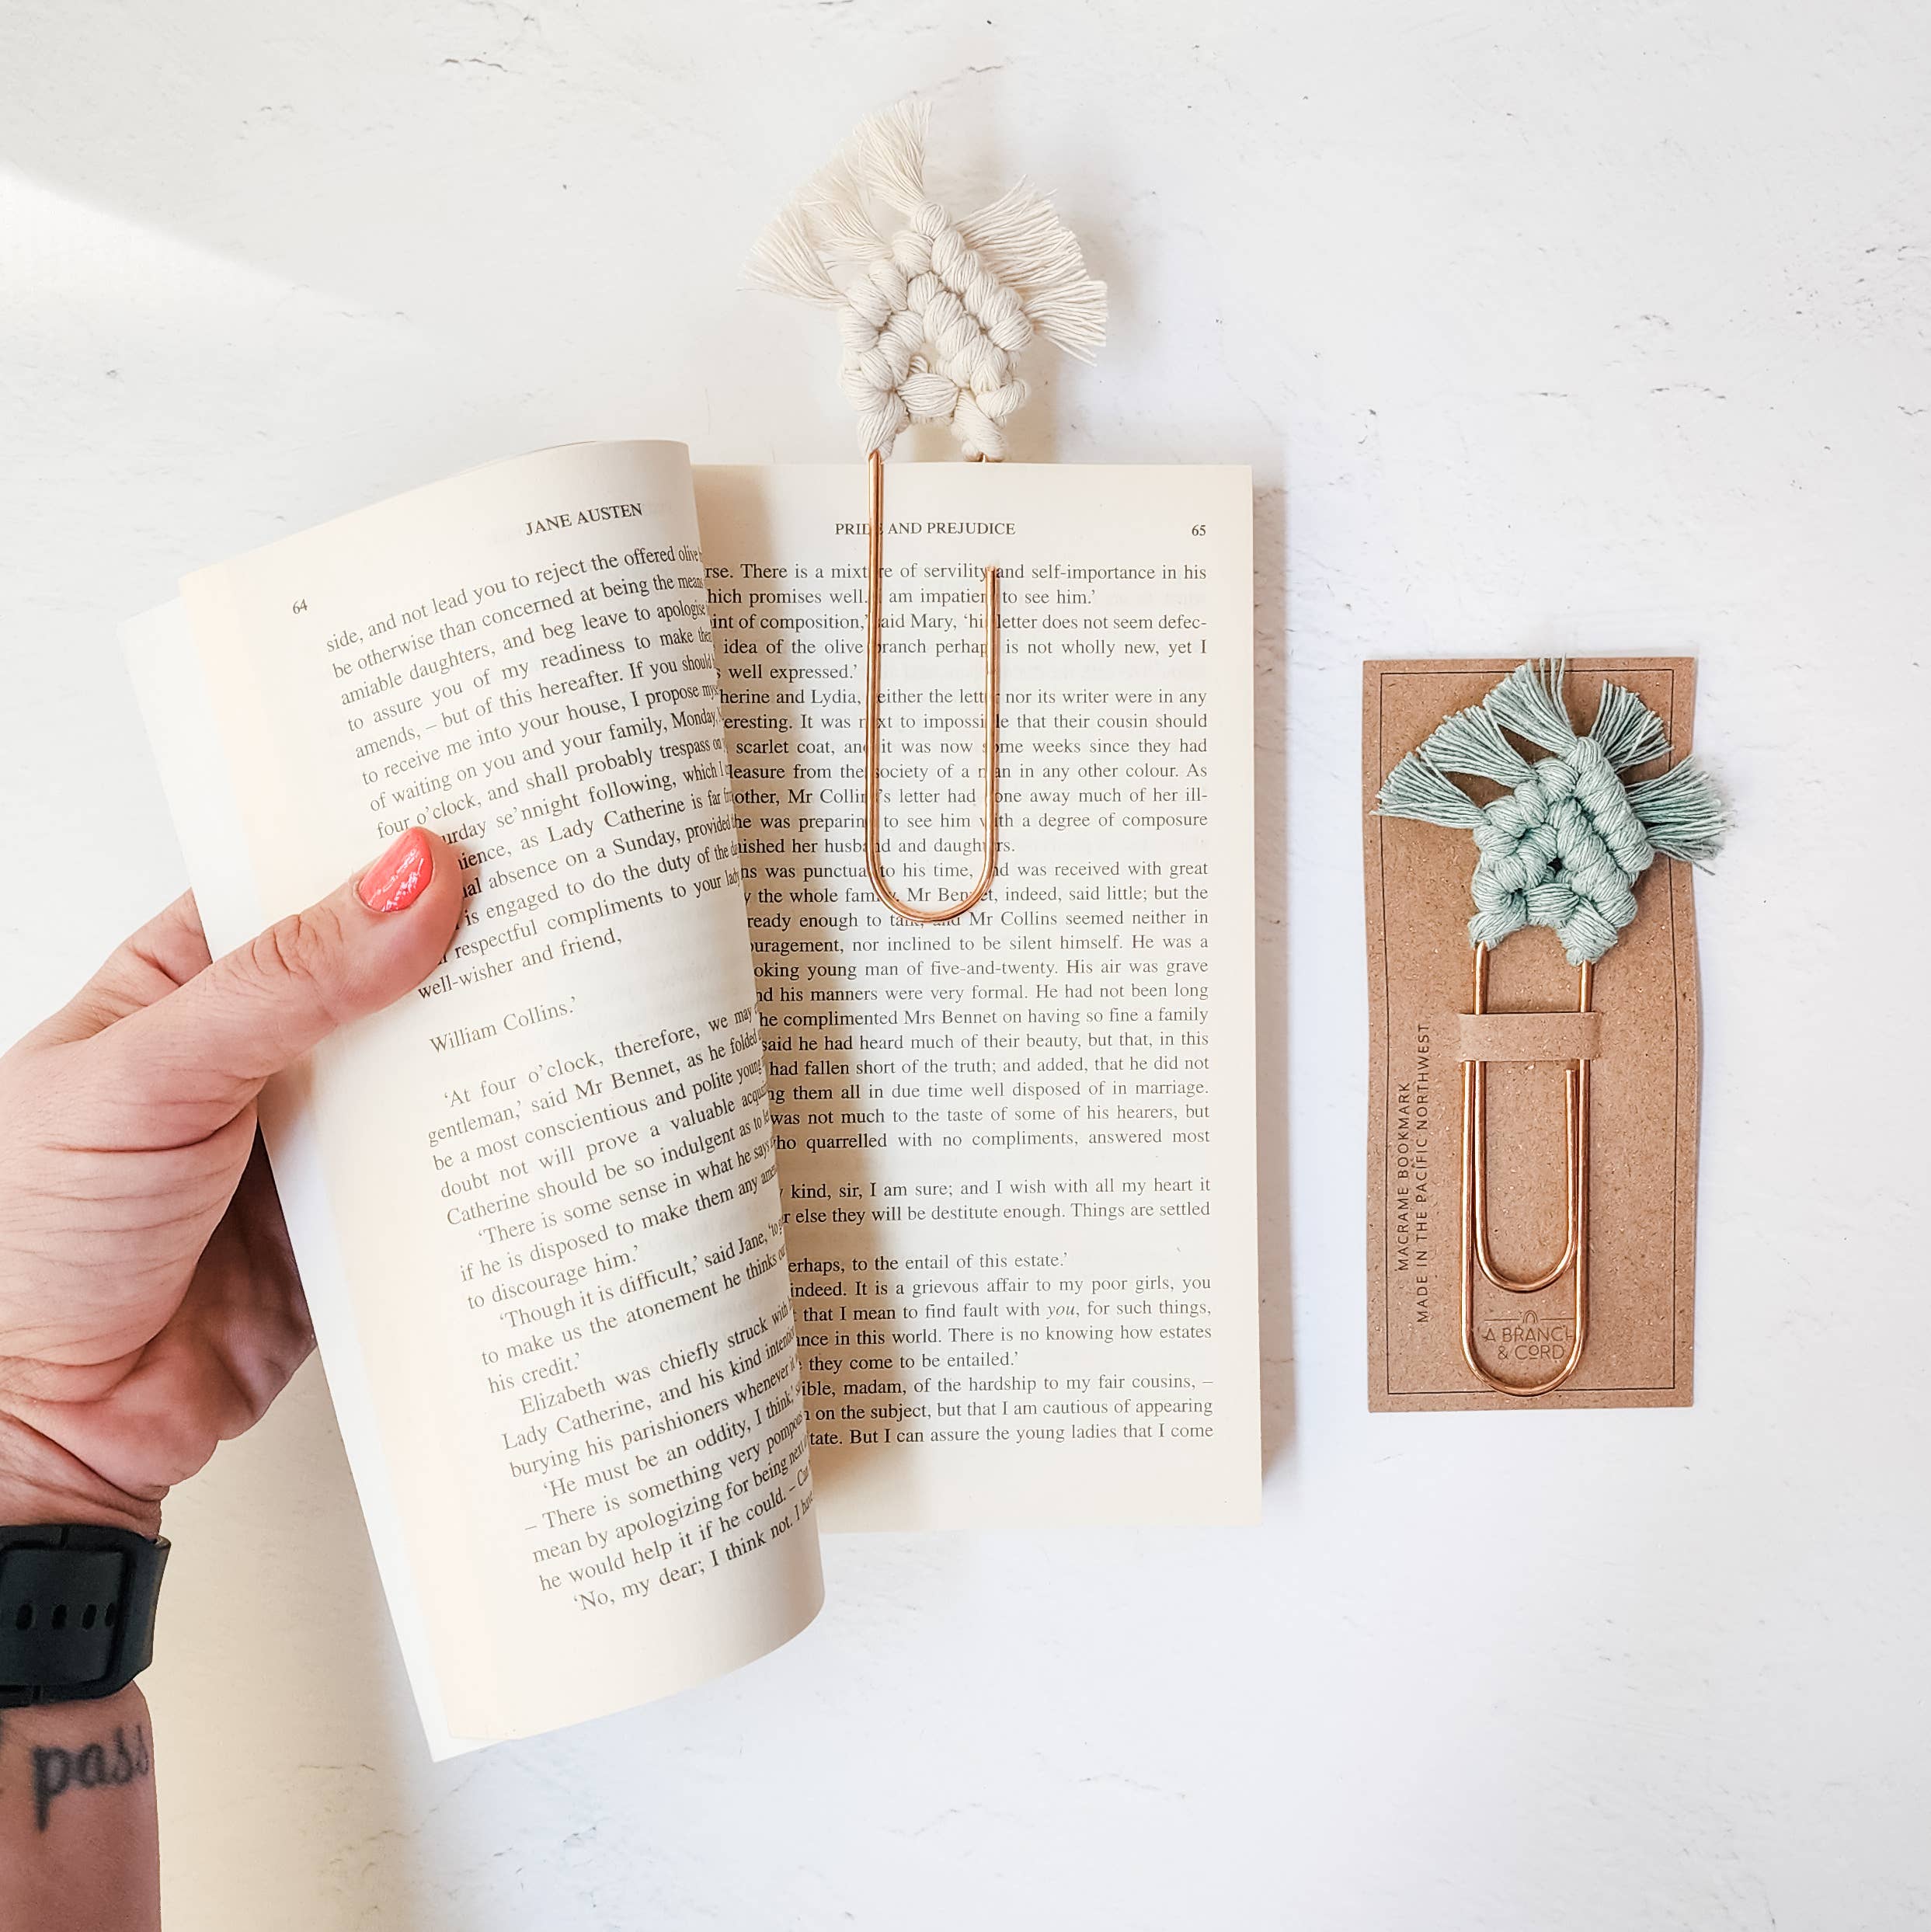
934 313
1565 846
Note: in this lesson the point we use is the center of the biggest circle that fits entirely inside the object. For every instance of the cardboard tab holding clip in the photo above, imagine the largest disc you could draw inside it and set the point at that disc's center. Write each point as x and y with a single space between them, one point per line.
1599 1103
1531 1037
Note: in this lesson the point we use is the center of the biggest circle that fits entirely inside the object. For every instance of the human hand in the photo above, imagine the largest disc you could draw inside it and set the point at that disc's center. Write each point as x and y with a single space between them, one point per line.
149 1305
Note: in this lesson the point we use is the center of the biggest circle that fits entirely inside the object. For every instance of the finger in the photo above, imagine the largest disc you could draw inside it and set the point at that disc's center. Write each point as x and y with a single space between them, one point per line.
168 952
202 1052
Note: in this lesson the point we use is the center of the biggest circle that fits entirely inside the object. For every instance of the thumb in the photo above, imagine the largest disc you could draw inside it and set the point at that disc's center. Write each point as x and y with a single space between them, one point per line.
202 1052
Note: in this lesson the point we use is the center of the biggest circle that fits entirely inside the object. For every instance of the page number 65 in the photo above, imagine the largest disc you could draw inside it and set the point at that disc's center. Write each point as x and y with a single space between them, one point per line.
1200 529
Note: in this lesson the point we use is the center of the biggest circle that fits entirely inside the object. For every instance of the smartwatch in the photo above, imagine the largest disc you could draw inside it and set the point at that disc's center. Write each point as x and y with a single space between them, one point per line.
77 1611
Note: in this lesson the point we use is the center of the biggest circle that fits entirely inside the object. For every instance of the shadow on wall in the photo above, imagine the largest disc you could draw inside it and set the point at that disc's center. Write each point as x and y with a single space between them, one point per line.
1271 996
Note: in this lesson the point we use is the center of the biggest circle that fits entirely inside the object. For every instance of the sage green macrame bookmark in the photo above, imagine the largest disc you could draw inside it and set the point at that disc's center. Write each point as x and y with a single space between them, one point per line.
1565 846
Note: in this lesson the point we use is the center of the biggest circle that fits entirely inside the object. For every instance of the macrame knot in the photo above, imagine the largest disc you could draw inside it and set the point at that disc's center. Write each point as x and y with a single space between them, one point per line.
933 312
1565 845
1563 850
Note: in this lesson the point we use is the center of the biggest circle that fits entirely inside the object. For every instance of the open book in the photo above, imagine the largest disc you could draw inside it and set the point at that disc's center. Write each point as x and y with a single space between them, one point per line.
698 1201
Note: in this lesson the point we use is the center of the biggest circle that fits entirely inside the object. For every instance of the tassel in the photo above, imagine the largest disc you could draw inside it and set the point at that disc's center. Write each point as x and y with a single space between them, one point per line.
1529 702
887 156
785 261
1627 730
1416 790
1682 812
1020 238
1471 742
833 203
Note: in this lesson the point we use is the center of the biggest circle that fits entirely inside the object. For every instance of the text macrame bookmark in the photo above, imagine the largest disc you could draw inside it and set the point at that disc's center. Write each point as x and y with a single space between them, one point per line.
1573 1276
935 313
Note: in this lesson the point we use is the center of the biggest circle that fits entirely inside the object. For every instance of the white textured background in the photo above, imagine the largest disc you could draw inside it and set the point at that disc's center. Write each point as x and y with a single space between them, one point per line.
1601 328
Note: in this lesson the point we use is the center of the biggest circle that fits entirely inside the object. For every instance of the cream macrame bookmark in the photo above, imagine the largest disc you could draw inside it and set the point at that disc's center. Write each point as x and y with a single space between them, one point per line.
935 313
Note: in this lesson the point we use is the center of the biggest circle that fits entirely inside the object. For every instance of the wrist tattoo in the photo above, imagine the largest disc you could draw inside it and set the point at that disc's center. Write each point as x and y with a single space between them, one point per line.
56 1770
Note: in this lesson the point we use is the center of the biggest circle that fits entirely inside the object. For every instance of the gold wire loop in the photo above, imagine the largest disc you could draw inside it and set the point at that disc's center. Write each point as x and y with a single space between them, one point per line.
875 668
1484 1257
1476 1254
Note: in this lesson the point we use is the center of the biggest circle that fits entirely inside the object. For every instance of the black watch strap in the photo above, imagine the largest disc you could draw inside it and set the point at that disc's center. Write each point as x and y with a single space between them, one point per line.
77 1611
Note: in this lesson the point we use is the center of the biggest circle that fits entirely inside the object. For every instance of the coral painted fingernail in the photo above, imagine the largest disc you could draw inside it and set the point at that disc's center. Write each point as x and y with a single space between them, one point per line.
396 878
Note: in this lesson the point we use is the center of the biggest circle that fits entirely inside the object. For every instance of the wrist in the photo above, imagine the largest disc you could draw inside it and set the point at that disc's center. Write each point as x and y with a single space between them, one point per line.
42 1482
48 1724
77 1827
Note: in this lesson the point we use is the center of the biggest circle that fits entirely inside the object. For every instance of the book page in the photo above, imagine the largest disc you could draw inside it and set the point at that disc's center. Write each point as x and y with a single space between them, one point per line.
534 1204
1018 1148
172 696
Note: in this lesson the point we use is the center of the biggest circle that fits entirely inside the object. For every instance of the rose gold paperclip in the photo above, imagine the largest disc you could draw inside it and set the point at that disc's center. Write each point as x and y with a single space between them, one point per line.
1477 1256
875 676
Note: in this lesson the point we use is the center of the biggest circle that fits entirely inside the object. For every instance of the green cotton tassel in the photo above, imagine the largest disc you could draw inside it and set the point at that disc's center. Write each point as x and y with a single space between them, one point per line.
1416 789
1565 845
1682 813
1628 731
1529 702
1470 742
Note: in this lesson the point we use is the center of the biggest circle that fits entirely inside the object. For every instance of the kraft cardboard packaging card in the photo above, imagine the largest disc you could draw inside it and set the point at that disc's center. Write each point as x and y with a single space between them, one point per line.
1641 1092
